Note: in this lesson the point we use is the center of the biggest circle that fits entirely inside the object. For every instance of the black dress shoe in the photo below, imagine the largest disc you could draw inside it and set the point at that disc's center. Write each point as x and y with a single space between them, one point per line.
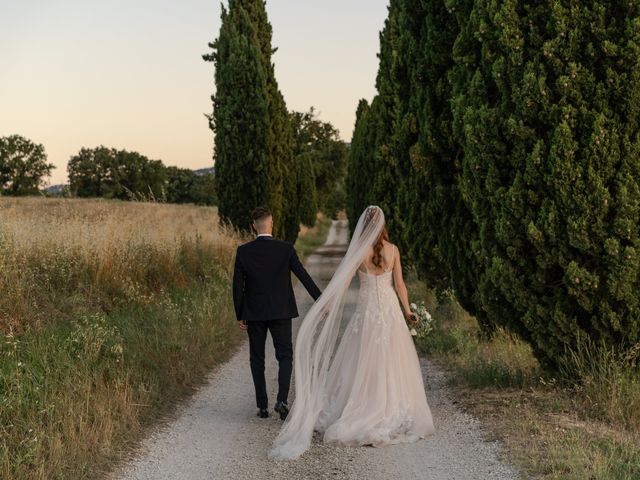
283 409
263 413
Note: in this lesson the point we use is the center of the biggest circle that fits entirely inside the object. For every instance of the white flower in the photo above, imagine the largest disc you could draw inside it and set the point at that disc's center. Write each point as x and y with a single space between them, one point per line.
413 332
413 306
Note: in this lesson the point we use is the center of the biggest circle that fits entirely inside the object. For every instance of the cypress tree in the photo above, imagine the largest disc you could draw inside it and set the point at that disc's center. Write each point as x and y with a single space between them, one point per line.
427 216
438 227
240 119
304 146
253 135
383 173
416 143
512 131
372 176
463 253
308 206
359 185
284 180
551 169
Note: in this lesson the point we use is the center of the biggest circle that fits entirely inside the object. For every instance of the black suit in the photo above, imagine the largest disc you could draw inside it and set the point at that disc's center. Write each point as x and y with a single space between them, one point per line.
263 297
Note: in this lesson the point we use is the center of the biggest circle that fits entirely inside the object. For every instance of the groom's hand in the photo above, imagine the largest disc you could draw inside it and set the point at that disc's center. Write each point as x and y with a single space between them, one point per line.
243 324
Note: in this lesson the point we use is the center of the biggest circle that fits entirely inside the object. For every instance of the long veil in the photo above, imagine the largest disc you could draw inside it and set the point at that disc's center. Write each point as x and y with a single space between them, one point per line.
317 339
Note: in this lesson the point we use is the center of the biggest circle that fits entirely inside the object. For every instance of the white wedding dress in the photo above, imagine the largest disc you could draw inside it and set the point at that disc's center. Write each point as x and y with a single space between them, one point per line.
364 387
375 393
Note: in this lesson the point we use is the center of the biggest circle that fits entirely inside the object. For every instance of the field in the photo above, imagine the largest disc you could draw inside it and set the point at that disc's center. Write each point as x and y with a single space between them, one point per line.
553 428
110 313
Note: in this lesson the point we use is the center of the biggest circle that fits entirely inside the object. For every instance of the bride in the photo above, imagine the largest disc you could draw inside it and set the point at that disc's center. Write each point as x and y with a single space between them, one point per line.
366 388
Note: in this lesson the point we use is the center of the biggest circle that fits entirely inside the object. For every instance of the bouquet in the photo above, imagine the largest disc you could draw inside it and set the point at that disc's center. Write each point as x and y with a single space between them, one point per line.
425 321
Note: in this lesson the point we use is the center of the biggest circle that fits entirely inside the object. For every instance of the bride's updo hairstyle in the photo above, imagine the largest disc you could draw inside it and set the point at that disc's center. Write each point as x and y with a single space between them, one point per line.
371 216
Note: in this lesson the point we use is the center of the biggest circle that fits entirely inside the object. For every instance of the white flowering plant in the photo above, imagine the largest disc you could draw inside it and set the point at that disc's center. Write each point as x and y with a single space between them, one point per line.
93 337
425 320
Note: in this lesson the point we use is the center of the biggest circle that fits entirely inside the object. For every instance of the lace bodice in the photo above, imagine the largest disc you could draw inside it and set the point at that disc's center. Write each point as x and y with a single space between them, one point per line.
376 288
375 284
377 304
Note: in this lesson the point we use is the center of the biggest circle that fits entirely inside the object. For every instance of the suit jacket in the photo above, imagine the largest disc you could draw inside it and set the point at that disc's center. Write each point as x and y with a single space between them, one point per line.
262 287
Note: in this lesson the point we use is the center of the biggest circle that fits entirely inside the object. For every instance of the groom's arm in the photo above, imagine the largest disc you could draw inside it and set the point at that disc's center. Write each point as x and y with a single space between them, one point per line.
298 269
238 286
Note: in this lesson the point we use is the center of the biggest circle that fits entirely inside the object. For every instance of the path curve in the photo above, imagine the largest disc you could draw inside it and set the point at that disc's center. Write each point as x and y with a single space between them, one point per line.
216 434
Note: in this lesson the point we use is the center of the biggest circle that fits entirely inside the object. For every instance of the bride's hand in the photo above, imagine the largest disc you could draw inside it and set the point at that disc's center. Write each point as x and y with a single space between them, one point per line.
412 318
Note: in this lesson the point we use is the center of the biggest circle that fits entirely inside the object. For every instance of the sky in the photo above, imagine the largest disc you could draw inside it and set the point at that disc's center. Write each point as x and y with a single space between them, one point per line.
129 74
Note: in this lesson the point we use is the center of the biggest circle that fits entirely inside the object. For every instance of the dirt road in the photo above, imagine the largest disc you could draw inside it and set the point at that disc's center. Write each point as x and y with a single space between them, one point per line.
216 434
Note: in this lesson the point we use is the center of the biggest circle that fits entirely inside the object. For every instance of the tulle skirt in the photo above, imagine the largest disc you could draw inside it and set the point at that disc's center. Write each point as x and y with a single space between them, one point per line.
375 393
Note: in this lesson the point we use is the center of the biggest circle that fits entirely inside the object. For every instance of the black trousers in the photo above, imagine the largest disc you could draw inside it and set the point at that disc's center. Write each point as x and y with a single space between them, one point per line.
281 336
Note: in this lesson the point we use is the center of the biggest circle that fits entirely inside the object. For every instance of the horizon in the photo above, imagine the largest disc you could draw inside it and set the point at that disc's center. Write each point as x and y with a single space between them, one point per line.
131 76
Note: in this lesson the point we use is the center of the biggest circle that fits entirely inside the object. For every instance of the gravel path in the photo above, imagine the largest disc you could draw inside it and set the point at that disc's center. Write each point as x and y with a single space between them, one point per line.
217 435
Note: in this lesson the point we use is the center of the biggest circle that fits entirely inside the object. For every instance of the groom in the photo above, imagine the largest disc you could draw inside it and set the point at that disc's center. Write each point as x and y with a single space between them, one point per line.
263 299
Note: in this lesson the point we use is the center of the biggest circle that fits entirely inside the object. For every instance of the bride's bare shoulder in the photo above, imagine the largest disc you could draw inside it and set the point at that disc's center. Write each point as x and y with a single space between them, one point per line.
391 253
392 246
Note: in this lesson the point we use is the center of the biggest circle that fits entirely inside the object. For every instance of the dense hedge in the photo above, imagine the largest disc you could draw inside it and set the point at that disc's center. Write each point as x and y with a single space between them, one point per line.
514 142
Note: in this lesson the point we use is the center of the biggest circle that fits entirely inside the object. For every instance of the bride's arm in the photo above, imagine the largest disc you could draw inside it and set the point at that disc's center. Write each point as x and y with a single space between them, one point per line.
400 286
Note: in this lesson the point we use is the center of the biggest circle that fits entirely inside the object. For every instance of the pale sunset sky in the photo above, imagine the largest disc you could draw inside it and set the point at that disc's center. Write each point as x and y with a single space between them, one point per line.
129 74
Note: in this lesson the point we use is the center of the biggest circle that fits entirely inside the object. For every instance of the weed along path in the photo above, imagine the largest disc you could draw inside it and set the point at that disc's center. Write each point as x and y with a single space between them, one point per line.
217 435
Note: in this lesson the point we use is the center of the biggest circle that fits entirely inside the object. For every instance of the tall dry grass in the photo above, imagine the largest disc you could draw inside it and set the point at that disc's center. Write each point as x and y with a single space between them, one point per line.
609 379
61 255
110 312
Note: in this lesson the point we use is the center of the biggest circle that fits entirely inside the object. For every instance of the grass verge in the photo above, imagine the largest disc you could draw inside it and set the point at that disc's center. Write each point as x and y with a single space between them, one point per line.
581 424
111 313
77 396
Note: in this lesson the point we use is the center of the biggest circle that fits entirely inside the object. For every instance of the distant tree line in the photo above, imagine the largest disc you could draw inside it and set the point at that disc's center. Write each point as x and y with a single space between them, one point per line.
23 166
317 144
120 174
102 172
126 175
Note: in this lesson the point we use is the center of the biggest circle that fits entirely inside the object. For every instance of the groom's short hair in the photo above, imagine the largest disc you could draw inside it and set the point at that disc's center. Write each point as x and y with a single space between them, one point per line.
260 213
